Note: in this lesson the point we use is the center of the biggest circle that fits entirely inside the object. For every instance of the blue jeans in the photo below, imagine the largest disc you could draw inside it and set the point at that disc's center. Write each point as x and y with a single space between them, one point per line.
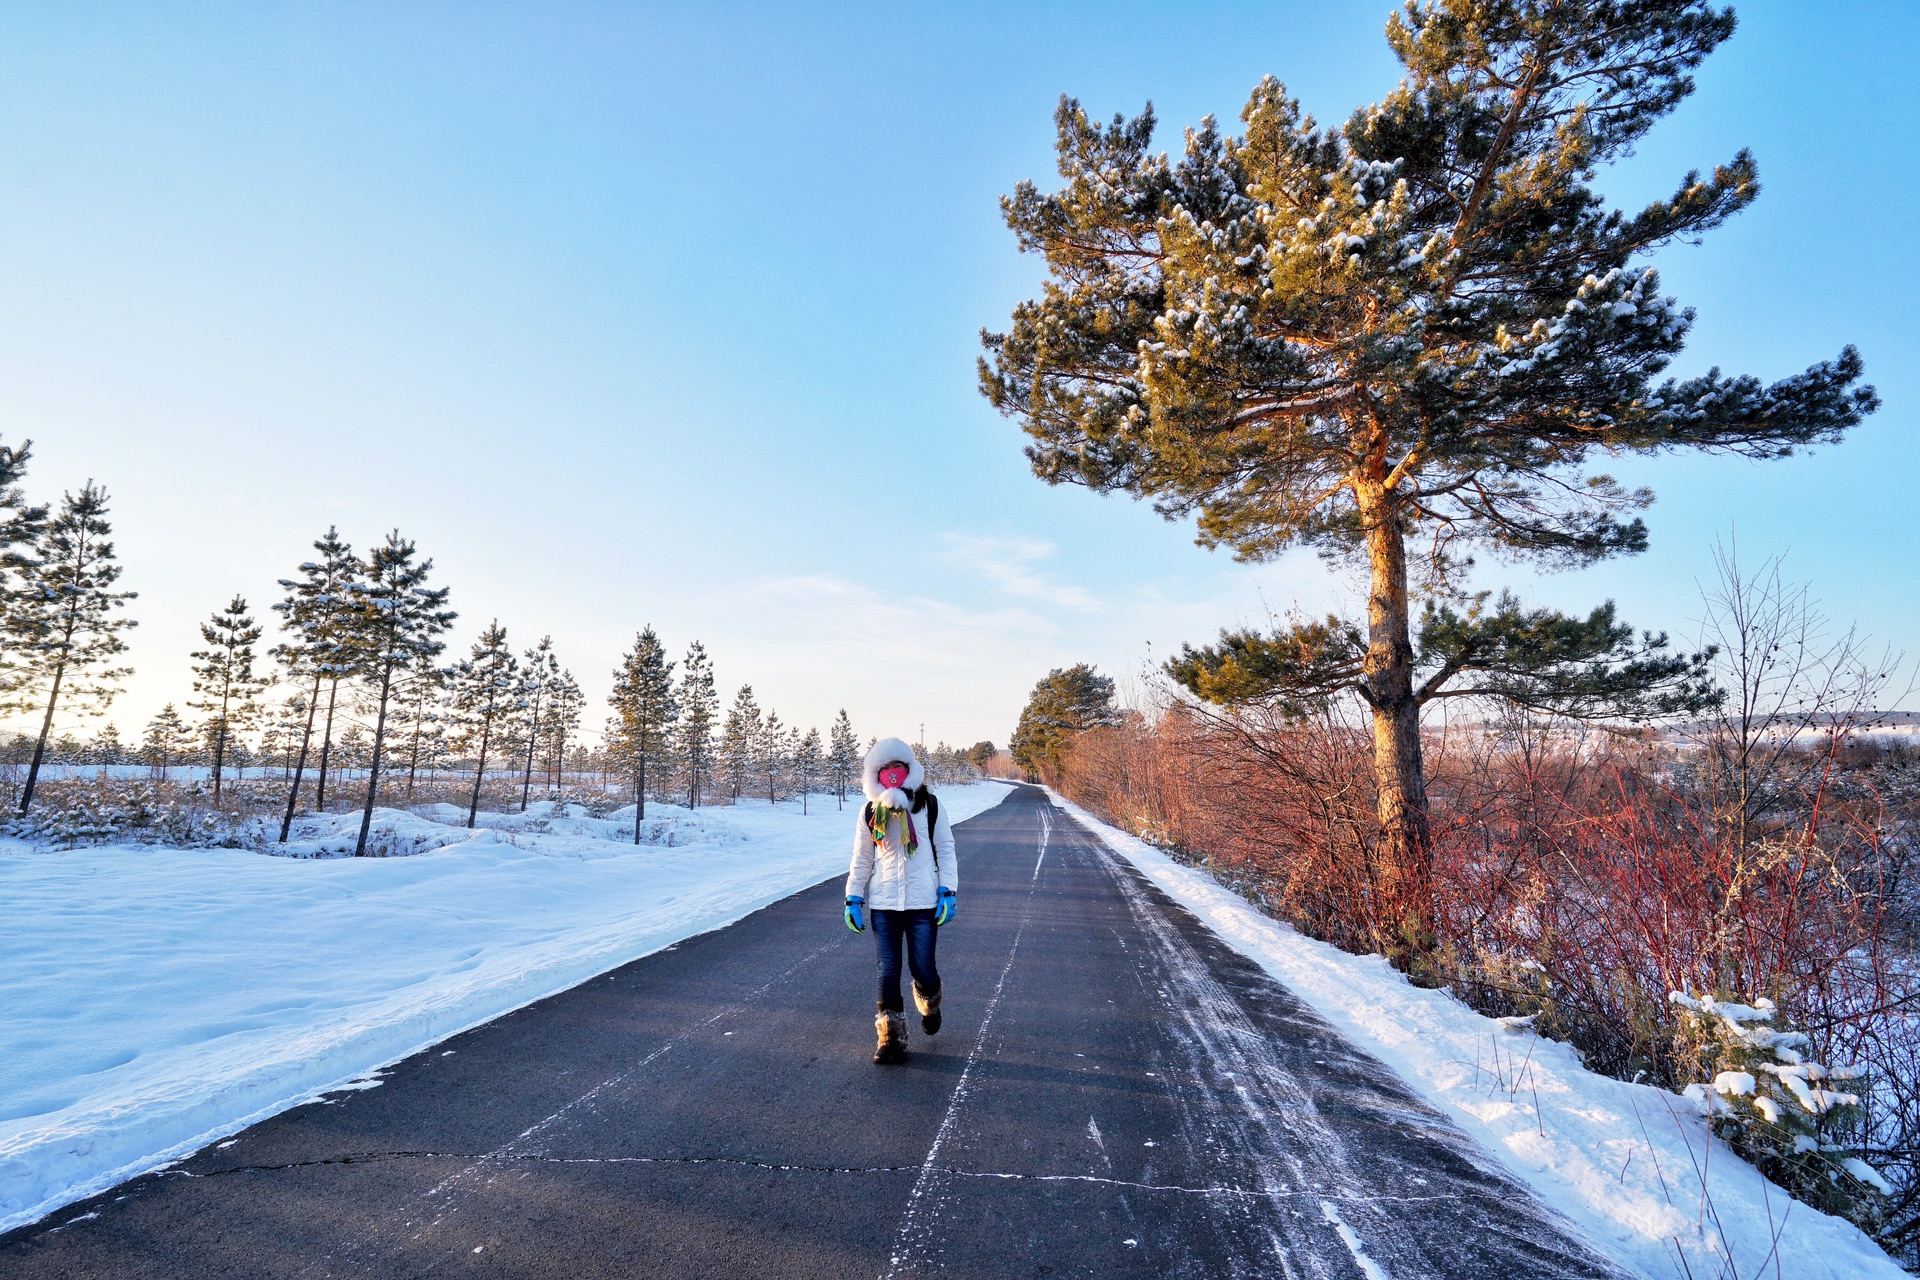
916 928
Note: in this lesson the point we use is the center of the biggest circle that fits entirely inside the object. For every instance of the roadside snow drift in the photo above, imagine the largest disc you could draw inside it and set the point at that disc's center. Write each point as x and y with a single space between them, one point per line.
157 999
1632 1166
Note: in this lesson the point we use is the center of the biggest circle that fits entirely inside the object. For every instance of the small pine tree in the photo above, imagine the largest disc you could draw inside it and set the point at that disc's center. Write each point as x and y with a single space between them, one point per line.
21 528
536 704
107 748
1799 1122
644 711
316 615
699 709
483 692
225 680
806 765
165 740
565 703
66 623
392 634
739 739
422 727
770 753
843 756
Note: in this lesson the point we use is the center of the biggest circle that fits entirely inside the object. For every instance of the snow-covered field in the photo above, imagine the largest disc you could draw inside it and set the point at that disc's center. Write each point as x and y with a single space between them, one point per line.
156 999
1628 1164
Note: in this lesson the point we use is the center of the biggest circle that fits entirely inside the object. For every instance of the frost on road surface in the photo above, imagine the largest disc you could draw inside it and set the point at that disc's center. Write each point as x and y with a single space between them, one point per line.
1623 1162
158 999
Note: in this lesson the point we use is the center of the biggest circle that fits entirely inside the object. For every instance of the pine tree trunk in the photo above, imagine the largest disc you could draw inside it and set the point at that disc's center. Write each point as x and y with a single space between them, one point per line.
220 741
479 774
1407 920
413 761
40 746
639 796
533 736
693 779
373 774
326 746
293 792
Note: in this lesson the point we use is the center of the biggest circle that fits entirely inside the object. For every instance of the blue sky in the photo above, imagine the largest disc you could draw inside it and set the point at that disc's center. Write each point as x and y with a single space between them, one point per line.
668 314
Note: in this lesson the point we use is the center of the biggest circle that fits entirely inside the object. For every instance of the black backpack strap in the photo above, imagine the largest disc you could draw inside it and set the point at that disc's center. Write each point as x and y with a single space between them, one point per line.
933 821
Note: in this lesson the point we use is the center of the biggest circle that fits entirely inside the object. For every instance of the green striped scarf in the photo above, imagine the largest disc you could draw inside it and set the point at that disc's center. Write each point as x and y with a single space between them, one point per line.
882 815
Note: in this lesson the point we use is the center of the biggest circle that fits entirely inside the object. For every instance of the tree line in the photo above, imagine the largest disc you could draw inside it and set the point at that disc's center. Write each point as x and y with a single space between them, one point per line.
359 657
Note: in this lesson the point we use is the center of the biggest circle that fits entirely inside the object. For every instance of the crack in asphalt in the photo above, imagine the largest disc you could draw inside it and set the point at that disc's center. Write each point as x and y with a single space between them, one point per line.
373 1157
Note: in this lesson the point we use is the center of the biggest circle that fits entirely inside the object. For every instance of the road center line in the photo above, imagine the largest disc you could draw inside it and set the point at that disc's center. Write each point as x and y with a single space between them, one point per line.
902 1244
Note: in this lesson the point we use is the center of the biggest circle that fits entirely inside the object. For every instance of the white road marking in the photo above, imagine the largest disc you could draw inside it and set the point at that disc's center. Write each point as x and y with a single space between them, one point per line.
1046 833
515 1146
905 1240
1368 1267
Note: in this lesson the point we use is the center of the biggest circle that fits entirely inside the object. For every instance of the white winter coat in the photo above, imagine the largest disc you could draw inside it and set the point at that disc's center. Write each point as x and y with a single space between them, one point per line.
883 873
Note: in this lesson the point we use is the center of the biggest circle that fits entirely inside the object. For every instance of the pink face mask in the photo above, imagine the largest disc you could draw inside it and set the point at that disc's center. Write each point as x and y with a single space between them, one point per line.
894 775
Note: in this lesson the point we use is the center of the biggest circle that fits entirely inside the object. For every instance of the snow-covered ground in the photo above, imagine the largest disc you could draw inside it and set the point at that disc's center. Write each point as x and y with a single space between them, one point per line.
1632 1166
155 999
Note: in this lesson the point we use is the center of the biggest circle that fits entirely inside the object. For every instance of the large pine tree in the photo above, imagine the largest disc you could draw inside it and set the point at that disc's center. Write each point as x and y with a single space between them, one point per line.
699 710
483 692
224 677
1397 339
1068 702
67 624
644 712
394 629
319 649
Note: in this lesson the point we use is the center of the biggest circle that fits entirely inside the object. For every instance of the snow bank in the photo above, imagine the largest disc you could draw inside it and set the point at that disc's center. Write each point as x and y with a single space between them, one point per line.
157 999
1628 1164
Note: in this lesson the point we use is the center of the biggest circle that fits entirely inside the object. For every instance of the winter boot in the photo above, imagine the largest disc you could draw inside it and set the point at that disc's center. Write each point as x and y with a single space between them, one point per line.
891 1027
929 1007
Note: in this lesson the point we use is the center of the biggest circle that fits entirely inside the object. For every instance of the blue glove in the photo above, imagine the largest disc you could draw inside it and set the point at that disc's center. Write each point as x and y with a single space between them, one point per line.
857 913
944 906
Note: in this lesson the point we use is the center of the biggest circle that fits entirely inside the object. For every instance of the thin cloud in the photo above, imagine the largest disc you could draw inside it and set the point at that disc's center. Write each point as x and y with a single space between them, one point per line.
1009 563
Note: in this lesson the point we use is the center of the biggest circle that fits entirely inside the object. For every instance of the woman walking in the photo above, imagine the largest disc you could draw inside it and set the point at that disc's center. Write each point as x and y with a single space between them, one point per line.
906 878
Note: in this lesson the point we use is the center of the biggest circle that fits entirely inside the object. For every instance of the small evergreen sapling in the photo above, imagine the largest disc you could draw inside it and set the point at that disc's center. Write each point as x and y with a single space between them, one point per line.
165 740
225 680
1793 1118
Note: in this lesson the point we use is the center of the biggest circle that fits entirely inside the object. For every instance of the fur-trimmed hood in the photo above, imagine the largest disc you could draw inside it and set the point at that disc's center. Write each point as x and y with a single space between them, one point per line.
885 752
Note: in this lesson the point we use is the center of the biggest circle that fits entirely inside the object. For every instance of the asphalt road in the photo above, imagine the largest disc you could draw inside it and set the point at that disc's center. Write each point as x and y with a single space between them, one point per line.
1115 1093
